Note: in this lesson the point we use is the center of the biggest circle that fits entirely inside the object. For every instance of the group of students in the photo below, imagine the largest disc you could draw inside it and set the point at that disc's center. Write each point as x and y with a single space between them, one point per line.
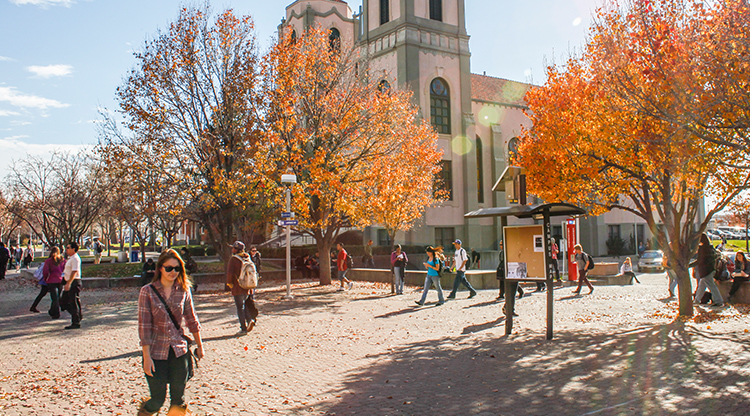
15 258
710 269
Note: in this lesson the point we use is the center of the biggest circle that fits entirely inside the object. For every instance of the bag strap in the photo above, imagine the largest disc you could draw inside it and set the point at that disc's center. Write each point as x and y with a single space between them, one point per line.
169 311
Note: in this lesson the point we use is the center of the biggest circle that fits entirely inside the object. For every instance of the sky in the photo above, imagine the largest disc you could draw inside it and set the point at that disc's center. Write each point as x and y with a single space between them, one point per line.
61 61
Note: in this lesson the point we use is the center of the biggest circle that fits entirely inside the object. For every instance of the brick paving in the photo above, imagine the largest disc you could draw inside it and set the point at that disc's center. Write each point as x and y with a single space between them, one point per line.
619 351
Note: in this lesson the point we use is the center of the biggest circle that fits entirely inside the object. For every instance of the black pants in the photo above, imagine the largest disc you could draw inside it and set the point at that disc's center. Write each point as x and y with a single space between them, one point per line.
557 269
502 288
71 301
172 371
55 289
3 268
43 290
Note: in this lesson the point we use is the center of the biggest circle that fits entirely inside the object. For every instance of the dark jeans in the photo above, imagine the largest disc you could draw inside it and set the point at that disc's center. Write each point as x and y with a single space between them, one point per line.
55 289
43 289
502 288
736 284
70 301
583 279
172 371
460 280
246 310
3 268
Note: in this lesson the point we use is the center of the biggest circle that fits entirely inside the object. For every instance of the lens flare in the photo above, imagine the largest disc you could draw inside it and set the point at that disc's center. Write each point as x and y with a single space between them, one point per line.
461 145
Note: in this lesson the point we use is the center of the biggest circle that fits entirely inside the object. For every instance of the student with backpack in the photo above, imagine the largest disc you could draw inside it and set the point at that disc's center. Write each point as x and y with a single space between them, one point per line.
585 263
242 278
344 262
460 261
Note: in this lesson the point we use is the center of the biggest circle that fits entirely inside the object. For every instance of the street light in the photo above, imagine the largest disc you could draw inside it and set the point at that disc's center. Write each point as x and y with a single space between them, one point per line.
288 179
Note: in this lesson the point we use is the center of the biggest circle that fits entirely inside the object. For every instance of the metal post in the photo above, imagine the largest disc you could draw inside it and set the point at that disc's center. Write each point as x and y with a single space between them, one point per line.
288 246
548 276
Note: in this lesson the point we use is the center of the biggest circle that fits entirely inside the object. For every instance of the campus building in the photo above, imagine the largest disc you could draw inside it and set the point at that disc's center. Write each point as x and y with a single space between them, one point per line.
423 45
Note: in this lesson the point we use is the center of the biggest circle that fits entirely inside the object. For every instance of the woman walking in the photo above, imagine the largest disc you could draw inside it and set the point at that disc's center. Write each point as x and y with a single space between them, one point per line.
51 282
162 307
398 264
433 278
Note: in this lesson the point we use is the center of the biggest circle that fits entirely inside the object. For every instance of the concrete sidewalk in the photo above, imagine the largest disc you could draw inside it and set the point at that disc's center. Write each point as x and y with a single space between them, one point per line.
619 351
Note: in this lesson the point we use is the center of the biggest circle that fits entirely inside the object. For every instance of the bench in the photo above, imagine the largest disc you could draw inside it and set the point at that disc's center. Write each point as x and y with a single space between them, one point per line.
606 274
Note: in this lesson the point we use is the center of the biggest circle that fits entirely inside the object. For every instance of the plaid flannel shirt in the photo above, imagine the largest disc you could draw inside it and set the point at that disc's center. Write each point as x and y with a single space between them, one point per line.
156 329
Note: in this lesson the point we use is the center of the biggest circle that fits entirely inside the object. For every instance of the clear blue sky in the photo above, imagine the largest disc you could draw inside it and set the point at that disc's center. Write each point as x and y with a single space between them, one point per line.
60 60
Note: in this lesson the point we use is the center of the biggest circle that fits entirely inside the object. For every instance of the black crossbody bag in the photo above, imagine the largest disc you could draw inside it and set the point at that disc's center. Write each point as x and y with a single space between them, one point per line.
192 359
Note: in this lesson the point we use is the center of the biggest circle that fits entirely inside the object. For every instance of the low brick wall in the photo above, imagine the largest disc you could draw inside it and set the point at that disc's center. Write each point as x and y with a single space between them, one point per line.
742 295
604 269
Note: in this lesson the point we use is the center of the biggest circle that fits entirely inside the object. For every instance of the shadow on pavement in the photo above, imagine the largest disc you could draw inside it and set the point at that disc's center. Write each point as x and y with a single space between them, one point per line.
481 327
647 371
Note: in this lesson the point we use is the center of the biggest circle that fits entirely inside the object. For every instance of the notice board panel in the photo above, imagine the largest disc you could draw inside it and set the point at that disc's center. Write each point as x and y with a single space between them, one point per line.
520 247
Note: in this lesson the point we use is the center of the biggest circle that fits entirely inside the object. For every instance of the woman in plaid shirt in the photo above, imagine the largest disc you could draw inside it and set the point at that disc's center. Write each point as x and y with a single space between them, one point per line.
165 349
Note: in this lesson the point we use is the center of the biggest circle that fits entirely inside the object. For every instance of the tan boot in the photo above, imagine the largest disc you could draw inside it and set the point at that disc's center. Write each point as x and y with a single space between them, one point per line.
175 410
144 412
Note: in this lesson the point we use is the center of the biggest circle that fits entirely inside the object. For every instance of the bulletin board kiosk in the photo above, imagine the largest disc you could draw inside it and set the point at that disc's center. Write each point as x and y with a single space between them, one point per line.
527 248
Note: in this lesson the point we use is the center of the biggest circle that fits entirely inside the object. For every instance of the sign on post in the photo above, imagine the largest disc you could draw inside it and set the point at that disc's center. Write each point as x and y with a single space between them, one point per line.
285 223
287 215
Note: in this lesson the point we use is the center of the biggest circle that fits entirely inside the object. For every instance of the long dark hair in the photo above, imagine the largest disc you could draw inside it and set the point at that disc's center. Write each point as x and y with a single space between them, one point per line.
738 255
54 254
182 278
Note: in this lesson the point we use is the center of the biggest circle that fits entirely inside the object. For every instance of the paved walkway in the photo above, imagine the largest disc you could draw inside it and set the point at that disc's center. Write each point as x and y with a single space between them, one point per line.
364 352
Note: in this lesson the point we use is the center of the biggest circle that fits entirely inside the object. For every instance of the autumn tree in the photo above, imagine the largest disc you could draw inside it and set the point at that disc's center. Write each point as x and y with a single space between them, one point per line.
353 146
194 96
618 126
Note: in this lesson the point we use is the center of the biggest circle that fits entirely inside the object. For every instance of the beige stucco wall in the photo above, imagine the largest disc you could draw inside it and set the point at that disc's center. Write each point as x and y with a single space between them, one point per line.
333 20
373 16
384 67
450 10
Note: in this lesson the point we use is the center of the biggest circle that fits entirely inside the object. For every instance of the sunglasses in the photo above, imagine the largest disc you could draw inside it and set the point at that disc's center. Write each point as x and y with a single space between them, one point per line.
169 269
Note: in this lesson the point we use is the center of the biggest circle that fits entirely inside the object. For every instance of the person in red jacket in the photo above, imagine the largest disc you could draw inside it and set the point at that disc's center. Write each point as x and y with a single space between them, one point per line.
247 313
341 266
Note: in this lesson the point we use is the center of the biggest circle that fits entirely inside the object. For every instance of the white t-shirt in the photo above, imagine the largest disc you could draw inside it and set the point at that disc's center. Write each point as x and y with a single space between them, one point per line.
73 264
459 258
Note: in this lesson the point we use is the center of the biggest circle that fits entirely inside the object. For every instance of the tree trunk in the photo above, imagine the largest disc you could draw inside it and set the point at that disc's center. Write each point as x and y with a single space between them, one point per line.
684 287
324 250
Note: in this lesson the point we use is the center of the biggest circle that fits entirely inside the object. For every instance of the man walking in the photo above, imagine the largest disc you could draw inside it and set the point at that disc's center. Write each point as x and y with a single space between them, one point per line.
342 266
98 250
368 258
247 313
459 262
70 299
4 258
582 260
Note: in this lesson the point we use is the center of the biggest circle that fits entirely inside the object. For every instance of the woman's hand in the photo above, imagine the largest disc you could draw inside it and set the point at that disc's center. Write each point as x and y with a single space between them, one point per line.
199 351
148 366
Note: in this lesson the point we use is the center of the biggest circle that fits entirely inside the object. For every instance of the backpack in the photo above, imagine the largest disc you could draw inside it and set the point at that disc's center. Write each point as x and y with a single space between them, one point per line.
248 278
720 267
99 247
591 262
440 268
349 262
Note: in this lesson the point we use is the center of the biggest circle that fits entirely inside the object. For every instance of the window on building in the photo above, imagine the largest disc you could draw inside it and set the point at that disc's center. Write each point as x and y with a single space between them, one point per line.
512 150
444 180
440 106
445 236
480 172
384 86
383 238
384 12
334 39
436 10
614 231
294 35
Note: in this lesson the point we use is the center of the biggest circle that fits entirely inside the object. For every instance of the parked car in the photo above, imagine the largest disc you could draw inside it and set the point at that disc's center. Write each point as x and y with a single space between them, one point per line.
651 260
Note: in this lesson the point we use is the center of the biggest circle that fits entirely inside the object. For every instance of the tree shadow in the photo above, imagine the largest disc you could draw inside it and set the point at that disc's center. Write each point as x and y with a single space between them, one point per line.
658 370
483 304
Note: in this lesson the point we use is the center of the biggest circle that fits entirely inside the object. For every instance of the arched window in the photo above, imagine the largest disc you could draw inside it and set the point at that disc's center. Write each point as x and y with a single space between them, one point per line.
294 35
512 150
440 106
384 86
334 39
385 15
480 172
436 10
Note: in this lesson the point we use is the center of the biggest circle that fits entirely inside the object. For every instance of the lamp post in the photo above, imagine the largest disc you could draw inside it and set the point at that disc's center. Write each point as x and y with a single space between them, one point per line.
288 180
